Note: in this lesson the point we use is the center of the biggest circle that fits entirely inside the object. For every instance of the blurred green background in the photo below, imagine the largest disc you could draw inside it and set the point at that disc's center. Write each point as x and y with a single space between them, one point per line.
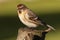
48 10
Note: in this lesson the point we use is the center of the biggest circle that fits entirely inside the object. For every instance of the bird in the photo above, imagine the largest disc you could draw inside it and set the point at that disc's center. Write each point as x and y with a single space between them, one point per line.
29 18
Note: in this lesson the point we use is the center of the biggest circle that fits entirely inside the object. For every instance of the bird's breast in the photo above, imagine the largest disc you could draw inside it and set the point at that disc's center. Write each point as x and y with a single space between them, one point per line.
23 19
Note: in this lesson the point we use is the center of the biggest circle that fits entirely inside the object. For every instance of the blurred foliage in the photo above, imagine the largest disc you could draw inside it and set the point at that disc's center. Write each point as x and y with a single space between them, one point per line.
48 10
43 6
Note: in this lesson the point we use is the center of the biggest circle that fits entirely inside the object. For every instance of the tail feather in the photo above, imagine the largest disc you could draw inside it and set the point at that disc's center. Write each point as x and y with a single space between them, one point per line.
50 27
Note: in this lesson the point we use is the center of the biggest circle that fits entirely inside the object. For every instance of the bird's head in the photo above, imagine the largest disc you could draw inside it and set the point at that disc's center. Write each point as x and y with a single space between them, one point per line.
21 7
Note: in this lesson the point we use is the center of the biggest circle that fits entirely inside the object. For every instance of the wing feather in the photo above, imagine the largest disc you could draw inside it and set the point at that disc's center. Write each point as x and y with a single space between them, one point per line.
35 18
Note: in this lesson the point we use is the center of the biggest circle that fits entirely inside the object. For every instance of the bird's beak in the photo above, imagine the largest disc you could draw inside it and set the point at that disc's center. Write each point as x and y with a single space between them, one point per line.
18 8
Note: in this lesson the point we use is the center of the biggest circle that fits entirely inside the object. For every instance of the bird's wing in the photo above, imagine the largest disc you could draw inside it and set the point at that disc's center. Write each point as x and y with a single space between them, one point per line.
35 18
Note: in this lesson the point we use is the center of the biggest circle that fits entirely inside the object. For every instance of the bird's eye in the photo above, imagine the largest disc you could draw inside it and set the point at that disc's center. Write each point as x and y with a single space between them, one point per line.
20 12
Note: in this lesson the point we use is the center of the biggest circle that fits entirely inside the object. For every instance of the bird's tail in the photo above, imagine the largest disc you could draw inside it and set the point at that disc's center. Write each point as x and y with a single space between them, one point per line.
50 27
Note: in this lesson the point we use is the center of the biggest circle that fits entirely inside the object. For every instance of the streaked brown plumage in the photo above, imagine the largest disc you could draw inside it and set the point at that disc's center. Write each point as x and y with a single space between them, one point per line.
28 17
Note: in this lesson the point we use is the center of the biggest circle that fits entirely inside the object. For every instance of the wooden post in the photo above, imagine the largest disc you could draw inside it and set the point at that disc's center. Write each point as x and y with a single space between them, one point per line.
28 34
